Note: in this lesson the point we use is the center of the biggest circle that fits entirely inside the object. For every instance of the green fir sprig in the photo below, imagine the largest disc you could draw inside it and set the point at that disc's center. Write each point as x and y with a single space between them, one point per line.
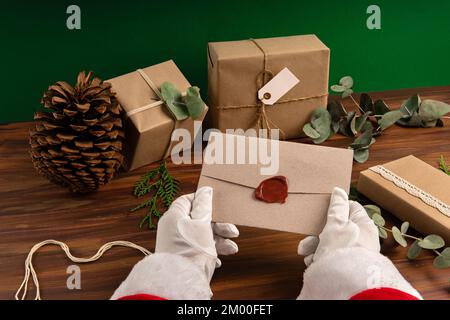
163 189
444 166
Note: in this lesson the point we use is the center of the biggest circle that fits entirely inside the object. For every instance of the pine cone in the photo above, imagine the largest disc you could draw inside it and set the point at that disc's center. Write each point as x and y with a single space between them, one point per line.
78 142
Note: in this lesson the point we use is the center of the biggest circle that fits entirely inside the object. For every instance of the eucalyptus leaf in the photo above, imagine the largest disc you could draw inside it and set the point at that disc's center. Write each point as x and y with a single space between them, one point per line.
336 110
432 110
378 220
170 93
347 82
360 121
432 242
429 124
372 209
414 250
389 118
414 121
446 252
310 131
172 98
410 106
321 123
194 102
382 233
352 126
361 155
365 102
404 227
380 108
335 126
441 262
368 146
337 88
345 124
368 126
347 93
399 237
364 140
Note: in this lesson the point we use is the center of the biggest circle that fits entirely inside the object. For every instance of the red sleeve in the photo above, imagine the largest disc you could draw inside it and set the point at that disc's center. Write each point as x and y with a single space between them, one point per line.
383 294
141 297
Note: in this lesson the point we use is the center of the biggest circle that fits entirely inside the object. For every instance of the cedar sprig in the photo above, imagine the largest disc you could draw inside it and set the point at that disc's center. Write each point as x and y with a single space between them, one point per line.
163 189
443 165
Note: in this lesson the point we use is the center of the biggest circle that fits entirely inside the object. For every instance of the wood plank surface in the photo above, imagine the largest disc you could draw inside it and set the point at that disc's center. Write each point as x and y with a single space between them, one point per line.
266 267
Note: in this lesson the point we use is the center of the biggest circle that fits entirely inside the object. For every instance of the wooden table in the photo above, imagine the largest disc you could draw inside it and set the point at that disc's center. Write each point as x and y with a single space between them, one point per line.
266 267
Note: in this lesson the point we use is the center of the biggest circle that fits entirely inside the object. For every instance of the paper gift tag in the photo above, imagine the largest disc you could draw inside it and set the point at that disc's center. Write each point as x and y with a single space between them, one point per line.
284 81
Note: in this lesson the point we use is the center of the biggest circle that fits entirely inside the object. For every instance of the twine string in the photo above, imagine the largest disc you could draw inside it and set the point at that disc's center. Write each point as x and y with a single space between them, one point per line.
30 271
263 121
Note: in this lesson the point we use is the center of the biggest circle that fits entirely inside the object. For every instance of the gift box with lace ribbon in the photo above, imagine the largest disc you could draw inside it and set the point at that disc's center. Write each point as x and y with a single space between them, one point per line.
413 191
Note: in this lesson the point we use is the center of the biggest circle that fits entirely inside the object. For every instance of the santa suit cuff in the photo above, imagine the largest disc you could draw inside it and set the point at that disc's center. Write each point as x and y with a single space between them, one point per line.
166 276
346 272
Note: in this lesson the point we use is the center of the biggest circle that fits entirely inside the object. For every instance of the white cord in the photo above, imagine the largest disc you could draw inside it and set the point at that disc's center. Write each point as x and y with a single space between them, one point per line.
29 269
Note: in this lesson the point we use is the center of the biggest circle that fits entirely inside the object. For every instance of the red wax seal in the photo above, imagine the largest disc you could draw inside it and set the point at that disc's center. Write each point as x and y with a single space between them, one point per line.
273 190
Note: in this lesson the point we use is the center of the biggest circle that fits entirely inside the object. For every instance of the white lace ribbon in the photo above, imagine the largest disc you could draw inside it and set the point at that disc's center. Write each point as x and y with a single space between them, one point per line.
412 189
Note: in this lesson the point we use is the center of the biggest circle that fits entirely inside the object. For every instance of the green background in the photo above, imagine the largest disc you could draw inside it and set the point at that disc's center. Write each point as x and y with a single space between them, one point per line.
411 50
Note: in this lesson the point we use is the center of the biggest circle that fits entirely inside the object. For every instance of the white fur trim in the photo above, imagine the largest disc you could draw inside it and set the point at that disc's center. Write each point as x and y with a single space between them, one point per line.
345 272
168 276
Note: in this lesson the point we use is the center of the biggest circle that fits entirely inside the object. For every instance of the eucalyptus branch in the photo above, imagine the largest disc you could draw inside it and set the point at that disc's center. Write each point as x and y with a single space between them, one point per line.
373 118
431 242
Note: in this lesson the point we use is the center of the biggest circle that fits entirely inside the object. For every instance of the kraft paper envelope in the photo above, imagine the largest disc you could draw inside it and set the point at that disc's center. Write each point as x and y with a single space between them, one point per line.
312 173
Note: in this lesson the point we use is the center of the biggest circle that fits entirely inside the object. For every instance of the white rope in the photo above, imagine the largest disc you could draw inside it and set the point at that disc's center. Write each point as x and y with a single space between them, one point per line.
412 189
154 88
29 269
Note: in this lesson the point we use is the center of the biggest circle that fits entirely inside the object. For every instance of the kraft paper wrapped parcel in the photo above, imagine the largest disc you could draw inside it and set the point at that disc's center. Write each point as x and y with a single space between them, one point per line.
148 130
238 69
413 191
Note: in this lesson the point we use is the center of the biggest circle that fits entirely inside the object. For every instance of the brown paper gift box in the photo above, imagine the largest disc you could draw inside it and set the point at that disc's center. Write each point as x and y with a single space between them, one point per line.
311 178
235 66
148 132
421 216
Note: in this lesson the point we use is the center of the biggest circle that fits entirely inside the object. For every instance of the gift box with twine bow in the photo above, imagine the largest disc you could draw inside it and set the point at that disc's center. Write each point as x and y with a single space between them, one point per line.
237 70
149 122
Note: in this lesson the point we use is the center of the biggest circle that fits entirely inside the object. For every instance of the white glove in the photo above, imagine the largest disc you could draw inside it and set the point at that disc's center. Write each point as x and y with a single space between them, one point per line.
348 225
187 245
186 229
345 259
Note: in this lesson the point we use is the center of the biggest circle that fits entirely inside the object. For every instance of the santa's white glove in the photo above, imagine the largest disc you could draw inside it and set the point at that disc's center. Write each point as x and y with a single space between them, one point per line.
186 253
345 259
186 229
